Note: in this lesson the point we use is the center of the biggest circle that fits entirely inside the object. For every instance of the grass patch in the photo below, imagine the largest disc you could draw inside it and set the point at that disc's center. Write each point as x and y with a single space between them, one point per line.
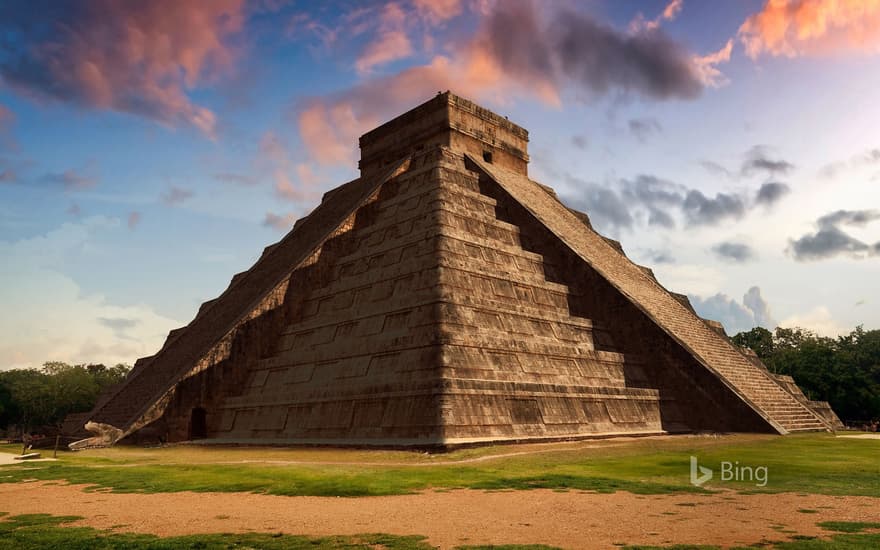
808 463
848 526
807 511
39 531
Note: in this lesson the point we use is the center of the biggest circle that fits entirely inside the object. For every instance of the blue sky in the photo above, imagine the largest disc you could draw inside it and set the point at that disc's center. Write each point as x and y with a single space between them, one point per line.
148 152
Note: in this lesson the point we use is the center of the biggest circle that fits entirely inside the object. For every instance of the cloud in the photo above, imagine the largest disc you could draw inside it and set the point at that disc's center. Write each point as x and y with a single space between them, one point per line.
702 210
283 222
658 203
590 55
830 240
134 218
141 58
606 208
771 192
819 320
715 168
274 157
734 252
759 307
71 180
692 278
438 11
391 43
55 319
119 326
858 218
735 316
707 66
794 28
866 158
74 209
669 13
520 49
176 195
643 128
653 257
656 195
758 160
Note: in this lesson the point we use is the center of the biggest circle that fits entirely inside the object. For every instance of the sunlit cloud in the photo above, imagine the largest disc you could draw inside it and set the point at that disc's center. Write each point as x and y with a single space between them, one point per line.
134 57
438 11
812 27
521 49
391 43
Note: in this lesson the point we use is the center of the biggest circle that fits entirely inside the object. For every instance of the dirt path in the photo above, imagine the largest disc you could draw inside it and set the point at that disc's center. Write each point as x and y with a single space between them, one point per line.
568 520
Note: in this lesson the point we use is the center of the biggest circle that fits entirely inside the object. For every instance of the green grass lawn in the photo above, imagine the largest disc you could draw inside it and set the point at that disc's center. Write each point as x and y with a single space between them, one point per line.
809 463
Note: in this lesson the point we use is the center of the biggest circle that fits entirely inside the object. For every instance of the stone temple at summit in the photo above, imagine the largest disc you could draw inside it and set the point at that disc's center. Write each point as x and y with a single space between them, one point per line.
443 298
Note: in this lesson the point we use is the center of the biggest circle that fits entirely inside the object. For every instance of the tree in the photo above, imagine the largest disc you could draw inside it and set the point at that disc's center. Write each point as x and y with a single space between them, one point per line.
31 398
759 340
844 371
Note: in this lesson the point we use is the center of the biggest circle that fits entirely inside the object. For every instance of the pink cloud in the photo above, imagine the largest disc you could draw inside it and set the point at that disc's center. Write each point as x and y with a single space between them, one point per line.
812 27
136 57
391 43
669 13
438 11
521 49
273 157
707 66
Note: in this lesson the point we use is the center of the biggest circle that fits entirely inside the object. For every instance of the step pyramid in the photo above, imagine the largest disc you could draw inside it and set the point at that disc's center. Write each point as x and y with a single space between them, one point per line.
444 298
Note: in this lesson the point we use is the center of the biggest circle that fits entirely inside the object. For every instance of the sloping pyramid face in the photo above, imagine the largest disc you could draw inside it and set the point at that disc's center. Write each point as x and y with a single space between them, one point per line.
443 299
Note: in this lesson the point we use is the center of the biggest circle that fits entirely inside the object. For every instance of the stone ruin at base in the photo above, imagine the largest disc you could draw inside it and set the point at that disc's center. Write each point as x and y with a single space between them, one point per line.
444 298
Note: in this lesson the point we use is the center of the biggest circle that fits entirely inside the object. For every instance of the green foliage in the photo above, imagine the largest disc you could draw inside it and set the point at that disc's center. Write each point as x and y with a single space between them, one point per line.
844 371
759 340
31 398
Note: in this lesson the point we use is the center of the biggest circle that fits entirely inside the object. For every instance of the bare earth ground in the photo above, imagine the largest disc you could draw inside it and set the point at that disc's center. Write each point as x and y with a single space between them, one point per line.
566 519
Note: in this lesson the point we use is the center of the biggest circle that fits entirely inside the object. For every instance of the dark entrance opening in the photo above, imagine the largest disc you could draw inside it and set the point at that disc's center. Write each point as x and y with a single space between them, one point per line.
198 424
487 156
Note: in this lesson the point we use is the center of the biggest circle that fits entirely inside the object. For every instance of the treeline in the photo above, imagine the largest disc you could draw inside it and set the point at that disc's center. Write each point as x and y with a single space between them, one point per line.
36 399
845 371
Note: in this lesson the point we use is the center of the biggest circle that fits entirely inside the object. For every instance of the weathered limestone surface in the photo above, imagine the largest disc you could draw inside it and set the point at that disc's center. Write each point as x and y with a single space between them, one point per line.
442 299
